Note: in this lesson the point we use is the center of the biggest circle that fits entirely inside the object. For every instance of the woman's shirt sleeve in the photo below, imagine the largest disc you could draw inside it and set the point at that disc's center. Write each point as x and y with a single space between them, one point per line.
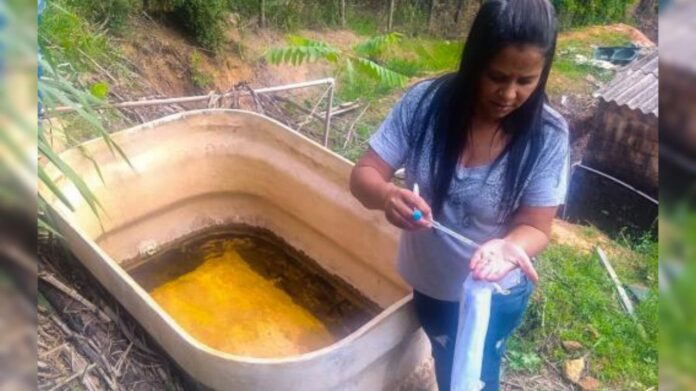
393 140
549 180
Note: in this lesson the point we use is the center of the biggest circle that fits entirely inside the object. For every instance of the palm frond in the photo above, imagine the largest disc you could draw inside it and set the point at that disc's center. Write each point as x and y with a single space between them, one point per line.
375 45
300 50
378 72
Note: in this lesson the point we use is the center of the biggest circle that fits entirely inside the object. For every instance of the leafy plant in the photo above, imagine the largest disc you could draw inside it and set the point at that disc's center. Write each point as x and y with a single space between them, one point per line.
301 50
55 90
204 19
111 13
199 77
574 13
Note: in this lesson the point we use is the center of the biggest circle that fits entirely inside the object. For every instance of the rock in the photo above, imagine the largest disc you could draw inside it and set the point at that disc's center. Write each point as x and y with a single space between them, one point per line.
589 384
640 292
572 346
602 64
572 369
580 59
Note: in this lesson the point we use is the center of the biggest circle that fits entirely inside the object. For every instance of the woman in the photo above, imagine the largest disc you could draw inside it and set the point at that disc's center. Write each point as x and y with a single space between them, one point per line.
491 159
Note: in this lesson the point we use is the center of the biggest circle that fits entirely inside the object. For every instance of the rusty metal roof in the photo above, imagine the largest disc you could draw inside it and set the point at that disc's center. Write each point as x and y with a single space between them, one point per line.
635 85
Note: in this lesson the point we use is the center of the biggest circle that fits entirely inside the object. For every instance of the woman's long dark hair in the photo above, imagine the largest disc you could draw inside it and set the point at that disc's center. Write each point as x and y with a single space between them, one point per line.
499 23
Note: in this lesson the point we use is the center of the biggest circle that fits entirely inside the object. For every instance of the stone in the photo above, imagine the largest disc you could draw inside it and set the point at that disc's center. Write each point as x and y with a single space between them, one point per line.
572 369
572 346
589 384
640 292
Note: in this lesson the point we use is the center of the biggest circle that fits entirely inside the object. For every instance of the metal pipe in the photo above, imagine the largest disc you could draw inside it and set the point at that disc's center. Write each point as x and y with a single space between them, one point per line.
197 98
616 180
620 182
327 120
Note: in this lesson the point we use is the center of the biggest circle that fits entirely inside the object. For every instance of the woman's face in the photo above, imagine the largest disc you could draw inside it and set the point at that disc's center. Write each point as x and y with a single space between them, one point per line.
509 80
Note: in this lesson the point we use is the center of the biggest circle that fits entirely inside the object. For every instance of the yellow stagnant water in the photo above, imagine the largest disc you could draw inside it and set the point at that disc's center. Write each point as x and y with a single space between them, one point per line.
226 305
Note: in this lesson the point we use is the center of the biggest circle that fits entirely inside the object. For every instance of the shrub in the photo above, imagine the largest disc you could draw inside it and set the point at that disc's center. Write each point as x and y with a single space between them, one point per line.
574 13
204 19
113 13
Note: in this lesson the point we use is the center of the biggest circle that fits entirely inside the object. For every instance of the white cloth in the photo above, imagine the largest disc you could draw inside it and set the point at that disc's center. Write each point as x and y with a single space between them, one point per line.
474 314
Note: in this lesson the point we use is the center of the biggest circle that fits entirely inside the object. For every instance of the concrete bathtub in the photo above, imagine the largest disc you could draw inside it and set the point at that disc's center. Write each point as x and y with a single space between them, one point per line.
210 168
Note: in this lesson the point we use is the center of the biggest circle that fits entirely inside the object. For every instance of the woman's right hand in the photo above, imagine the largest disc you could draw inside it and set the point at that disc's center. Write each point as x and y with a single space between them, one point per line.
399 204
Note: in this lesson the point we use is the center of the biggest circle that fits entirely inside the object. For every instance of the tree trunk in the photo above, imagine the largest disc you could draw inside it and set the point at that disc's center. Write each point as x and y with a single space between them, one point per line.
647 6
263 13
431 14
343 13
458 14
390 22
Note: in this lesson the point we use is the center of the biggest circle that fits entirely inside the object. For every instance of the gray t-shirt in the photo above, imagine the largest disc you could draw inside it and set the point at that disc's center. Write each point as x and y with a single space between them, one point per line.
434 263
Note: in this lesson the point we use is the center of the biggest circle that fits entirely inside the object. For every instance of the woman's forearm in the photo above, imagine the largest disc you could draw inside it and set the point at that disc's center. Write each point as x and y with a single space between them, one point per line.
369 187
532 240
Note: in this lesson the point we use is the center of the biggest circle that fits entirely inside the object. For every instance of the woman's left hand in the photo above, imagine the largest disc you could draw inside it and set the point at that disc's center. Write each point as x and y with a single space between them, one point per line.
497 257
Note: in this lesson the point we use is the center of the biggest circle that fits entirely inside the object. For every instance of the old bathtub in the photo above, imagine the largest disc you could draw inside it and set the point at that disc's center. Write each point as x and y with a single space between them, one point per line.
209 168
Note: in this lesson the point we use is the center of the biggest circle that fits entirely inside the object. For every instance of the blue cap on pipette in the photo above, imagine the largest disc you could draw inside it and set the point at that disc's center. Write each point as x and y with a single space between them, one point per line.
417 215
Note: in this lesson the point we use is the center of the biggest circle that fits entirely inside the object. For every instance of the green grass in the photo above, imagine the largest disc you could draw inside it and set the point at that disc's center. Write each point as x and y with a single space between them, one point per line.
576 300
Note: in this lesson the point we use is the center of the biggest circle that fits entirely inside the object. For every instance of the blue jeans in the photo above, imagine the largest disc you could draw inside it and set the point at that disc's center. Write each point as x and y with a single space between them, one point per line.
440 318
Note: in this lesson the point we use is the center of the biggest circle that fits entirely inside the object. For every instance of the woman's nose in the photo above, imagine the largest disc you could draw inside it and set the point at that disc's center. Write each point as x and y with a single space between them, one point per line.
508 92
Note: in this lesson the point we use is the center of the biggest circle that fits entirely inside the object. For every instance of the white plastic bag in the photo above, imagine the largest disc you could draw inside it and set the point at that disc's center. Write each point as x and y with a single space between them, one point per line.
474 314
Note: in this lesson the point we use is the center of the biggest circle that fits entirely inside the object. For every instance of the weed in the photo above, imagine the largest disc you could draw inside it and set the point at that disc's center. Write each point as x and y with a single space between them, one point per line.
576 301
65 37
200 78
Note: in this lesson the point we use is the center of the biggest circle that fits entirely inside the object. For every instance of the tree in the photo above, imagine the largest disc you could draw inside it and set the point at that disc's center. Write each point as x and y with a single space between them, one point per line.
390 22
458 14
343 13
431 14
263 14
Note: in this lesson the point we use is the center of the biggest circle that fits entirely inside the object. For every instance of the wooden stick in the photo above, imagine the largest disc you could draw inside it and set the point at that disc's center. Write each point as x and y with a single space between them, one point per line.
314 109
99 67
340 109
49 278
349 135
73 377
625 300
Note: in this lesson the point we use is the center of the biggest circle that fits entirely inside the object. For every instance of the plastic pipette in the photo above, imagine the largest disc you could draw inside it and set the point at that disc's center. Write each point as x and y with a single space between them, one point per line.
417 215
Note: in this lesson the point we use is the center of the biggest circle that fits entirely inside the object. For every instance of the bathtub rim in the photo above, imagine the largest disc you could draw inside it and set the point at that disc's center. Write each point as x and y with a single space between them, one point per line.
62 213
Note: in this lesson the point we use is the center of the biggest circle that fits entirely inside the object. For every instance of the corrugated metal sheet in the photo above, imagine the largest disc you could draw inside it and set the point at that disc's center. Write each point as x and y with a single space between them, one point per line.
636 85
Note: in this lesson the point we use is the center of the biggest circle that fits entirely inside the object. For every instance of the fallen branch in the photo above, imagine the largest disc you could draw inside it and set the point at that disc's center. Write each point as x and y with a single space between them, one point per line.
72 377
99 67
349 135
49 278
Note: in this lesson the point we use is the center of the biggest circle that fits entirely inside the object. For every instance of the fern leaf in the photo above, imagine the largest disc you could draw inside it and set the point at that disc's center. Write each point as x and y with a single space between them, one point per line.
375 45
384 75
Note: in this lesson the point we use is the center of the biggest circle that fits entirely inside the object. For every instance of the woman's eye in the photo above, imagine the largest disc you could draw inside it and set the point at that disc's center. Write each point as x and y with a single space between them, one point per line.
497 78
525 81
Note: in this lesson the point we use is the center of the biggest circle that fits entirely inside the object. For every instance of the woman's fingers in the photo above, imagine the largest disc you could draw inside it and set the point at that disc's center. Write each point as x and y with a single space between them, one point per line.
414 201
401 214
529 270
476 259
406 213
